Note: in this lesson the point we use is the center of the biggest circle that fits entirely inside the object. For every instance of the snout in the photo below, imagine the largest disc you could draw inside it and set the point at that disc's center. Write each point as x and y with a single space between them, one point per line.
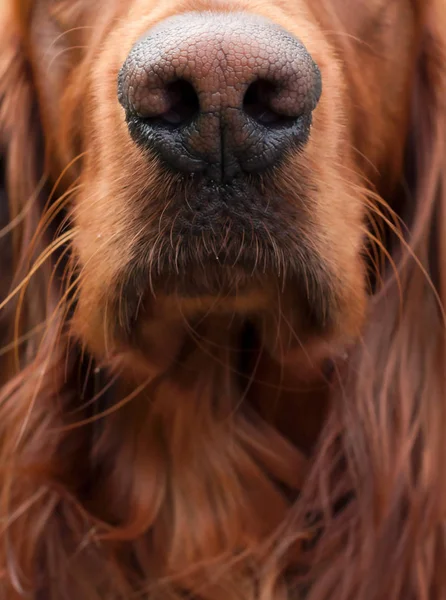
219 94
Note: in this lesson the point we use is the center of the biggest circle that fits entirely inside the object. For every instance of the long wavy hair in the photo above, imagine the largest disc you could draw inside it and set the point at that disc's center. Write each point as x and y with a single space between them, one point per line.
181 486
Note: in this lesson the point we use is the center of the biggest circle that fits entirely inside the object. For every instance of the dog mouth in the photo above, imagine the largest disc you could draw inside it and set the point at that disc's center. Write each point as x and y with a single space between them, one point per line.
238 247
223 238
247 204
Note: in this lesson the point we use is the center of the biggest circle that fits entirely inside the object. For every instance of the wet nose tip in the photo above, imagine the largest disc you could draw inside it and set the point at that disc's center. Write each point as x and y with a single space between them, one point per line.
203 90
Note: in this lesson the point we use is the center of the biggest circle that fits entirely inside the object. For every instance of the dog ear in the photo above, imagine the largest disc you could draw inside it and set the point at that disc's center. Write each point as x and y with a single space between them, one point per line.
391 414
41 41
22 151
384 443
426 148
19 120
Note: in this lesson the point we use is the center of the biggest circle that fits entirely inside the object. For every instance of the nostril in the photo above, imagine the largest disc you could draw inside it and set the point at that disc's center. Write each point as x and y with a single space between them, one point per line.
218 94
257 103
182 102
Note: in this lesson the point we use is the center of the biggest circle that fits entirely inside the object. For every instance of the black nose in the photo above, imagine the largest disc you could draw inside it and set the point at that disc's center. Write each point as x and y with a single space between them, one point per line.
219 93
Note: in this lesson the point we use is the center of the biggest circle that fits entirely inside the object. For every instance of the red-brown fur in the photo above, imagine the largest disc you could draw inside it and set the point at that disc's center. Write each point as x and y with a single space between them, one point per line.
158 470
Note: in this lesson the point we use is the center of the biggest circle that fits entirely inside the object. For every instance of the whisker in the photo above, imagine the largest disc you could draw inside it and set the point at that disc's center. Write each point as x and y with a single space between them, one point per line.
107 412
57 56
49 251
62 35
18 219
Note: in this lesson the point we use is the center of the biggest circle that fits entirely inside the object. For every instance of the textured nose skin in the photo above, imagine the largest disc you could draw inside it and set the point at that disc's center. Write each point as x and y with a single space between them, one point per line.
219 93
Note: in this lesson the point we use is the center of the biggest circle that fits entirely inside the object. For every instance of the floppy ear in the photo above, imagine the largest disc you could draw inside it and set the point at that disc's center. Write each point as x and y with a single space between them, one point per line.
19 120
428 140
21 148
385 440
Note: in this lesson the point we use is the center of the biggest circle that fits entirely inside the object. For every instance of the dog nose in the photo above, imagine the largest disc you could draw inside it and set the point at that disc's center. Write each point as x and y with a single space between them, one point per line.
219 93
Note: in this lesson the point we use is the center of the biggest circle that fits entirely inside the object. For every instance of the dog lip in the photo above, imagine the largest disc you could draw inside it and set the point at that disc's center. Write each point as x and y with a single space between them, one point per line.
210 277
215 235
200 203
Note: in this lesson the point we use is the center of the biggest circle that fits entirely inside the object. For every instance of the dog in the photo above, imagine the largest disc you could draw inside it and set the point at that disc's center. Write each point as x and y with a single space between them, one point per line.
222 312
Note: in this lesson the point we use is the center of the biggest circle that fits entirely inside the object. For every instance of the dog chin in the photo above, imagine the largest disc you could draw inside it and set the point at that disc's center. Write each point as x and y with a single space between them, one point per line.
169 326
223 283
248 301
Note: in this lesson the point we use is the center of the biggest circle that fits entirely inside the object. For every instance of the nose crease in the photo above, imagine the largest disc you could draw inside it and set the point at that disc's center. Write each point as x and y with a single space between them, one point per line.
234 91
